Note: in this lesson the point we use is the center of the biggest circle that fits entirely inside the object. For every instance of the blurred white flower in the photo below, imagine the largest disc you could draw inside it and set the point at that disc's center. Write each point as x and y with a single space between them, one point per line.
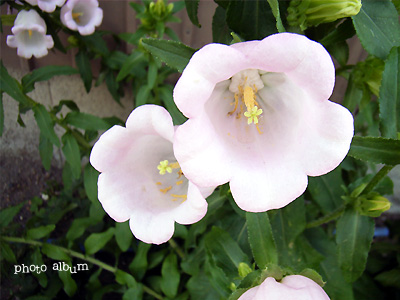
82 15
30 35
289 288
47 5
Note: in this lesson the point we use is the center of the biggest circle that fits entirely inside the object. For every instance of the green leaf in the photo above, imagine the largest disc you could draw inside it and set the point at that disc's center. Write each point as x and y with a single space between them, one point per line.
123 235
327 190
200 288
225 251
113 86
45 123
7 253
275 10
78 227
389 96
8 214
139 264
68 103
86 121
174 54
192 7
55 252
142 96
376 150
220 30
336 286
7 20
45 151
124 278
294 251
70 286
261 239
97 241
1 114
170 276
96 43
44 73
90 177
166 96
354 235
83 63
40 232
72 154
129 64
11 86
252 20
152 74
377 26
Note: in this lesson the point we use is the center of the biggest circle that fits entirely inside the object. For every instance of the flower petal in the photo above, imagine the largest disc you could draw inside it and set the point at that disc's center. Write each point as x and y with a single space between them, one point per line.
151 228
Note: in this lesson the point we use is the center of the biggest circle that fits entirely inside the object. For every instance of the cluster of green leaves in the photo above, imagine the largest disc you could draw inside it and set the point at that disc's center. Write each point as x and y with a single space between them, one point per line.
325 234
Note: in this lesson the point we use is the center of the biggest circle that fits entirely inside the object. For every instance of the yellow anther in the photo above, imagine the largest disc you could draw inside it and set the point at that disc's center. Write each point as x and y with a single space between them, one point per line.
180 173
164 167
252 116
30 33
164 191
174 165
236 104
179 182
76 16
158 183
176 197
249 98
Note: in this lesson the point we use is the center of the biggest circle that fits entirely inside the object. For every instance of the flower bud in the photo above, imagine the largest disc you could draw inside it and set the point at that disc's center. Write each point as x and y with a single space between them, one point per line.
244 270
314 12
373 205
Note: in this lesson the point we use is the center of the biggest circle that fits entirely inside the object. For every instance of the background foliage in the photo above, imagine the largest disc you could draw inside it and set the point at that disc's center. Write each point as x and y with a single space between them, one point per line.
327 234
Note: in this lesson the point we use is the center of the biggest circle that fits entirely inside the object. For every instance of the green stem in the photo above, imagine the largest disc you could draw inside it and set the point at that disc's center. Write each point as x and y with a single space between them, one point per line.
176 247
327 218
339 211
77 255
376 179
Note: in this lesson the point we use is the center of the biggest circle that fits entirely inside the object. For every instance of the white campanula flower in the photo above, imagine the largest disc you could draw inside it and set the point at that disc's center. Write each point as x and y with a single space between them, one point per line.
260 119
82 15
140 178
30 35
47 5
293 287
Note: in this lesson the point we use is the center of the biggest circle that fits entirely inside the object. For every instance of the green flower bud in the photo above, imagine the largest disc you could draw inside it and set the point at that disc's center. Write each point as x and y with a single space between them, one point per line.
244 270
373 205
369 73
158 10
307 13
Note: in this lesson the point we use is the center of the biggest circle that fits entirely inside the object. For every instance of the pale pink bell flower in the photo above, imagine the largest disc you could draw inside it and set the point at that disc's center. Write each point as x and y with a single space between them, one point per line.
30 35
260 119
293 287
141 180
82 15
47 5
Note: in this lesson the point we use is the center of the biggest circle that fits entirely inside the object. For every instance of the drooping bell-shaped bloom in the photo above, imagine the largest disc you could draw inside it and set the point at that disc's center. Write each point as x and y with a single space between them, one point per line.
140 178
30 35
47 5
82 15
260 119
293 287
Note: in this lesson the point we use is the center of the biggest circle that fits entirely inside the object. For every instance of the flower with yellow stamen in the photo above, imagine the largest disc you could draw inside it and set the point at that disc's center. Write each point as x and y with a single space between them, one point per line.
82 15
29 35
141 180
259 118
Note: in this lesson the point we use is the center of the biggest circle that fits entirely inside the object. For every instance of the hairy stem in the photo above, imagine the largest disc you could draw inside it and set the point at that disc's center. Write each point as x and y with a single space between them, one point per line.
79 255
